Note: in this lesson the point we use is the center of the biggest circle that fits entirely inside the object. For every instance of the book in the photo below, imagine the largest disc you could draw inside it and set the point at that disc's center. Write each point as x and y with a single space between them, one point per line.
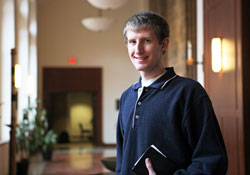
161 164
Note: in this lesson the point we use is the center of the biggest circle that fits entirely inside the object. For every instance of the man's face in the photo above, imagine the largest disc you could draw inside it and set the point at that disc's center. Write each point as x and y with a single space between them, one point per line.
145 51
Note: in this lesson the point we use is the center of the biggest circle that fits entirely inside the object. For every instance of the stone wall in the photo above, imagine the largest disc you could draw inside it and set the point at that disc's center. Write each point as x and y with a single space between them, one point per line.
180 15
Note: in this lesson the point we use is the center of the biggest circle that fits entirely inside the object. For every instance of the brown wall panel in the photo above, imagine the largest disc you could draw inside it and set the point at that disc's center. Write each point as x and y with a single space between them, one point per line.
222 84
4 156
222 19
229 127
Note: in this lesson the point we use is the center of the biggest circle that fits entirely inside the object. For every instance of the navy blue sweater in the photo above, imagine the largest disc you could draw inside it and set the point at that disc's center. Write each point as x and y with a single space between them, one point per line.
176 115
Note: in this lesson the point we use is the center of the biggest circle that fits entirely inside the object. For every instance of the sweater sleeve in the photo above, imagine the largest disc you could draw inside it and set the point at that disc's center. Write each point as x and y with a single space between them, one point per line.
119 140
205 139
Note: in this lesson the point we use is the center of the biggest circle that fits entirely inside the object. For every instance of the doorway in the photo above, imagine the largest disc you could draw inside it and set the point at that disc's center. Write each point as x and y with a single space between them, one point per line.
72 97
72 116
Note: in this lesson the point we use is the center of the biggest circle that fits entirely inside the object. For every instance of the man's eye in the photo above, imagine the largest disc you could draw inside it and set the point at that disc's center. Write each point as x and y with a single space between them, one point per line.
147 40
132 42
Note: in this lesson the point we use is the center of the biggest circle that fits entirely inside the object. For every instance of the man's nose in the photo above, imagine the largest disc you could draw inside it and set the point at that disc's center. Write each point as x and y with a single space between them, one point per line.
139 48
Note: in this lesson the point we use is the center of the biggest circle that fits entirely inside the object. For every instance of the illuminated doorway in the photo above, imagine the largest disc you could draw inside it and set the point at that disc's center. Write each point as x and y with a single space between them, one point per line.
60 86
73 113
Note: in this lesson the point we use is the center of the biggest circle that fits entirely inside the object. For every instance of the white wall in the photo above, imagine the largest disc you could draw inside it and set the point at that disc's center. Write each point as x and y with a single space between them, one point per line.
61 35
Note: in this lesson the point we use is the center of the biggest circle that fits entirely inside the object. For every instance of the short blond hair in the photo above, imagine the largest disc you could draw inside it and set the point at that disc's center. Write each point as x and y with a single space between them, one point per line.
148 20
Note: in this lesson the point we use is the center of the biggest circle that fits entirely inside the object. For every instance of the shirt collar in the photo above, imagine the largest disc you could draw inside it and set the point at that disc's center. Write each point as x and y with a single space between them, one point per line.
147 83
161 82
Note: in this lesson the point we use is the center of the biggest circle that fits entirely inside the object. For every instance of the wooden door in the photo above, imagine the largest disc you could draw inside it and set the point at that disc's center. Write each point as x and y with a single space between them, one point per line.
222 18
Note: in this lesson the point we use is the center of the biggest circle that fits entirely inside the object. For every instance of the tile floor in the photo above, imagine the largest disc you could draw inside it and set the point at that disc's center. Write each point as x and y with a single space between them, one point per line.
73 159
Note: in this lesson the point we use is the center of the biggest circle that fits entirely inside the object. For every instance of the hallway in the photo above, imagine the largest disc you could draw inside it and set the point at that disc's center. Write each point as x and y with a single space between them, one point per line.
38 35
73 159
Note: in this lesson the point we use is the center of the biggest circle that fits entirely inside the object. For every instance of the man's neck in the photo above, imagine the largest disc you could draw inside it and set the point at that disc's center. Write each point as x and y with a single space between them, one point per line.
148 76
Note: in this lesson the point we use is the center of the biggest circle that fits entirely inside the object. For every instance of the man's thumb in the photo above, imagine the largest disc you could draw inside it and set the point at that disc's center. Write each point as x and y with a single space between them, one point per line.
149 166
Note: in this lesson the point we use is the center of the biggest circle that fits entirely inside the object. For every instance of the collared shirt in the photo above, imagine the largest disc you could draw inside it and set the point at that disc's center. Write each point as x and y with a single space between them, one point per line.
176 115
146 83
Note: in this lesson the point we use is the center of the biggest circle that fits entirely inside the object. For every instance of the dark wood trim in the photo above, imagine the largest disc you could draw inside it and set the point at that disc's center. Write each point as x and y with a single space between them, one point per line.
109 145
13 125
245 14
75 80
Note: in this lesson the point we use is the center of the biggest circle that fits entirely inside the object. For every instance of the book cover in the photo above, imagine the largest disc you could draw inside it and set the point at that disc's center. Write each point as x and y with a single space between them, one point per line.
161 164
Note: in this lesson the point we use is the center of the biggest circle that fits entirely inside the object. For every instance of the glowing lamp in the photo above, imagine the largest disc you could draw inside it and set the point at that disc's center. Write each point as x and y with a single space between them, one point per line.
107 4
190 61
216 54
97 24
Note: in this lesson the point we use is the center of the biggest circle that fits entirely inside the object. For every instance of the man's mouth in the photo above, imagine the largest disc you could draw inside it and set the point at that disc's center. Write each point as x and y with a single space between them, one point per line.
141 58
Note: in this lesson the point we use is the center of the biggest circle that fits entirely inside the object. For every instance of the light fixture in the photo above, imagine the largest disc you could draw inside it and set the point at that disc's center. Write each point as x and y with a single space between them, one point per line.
97 24
190 59
216 54
18 76
107 4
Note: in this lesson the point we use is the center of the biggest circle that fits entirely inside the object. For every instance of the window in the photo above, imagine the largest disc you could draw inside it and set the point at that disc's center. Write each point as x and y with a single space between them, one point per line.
7 34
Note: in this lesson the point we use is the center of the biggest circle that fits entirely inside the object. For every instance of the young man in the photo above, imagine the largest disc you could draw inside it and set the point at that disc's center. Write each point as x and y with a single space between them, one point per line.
171 112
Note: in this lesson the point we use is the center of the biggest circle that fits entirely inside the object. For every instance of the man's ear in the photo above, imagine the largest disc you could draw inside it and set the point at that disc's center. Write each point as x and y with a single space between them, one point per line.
164 44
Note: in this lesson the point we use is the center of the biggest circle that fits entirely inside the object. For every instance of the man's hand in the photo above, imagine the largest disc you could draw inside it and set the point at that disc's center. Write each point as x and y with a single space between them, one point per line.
149 167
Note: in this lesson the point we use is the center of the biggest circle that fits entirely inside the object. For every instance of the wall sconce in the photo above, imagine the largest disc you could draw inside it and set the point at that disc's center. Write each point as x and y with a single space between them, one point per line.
216 54
18 76
190 59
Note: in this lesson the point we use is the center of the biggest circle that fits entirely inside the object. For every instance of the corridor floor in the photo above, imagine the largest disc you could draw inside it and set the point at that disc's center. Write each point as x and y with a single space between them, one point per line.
73 159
